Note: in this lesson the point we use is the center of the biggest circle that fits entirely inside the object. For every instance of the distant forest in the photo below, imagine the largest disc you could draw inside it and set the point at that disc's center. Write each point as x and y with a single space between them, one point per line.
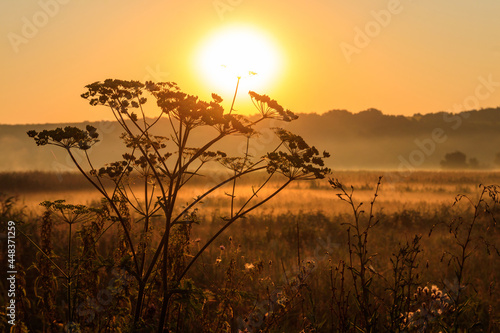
367 140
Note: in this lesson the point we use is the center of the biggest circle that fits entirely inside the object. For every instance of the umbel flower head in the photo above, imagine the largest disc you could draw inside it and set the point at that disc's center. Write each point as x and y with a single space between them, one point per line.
269 108
70 213
122 96
299 160
69 137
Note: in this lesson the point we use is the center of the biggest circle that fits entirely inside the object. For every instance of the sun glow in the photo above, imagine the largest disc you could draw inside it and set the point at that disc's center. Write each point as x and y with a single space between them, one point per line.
238 52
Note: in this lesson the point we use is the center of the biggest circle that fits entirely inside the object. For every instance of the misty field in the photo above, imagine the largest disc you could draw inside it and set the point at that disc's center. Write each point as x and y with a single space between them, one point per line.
422 256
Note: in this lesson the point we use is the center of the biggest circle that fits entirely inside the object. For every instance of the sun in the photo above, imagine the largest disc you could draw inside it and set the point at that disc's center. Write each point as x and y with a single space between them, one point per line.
239 52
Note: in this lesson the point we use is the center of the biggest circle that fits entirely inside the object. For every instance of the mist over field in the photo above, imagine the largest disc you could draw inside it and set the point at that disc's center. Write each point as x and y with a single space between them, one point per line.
366 140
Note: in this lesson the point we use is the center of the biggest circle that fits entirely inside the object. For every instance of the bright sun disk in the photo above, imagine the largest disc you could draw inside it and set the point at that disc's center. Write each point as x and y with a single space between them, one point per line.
238 52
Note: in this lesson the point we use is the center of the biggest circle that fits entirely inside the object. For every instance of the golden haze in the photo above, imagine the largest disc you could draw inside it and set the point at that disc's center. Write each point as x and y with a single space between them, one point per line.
422 57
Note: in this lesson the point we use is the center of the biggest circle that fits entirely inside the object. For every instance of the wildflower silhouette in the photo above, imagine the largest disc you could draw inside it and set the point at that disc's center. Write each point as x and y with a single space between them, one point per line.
164 164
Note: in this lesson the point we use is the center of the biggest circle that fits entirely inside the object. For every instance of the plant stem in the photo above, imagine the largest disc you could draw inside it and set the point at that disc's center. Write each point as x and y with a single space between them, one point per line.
70 316
235 92
237 216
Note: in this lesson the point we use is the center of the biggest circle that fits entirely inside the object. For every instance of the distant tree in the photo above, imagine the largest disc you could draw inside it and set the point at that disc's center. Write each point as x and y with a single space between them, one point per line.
473 163
496 161
455 160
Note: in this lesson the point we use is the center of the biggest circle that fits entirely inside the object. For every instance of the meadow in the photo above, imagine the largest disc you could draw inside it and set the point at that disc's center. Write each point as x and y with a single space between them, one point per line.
419 255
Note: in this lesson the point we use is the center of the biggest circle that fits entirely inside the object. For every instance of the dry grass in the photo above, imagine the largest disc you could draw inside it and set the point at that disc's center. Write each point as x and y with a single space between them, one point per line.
281 268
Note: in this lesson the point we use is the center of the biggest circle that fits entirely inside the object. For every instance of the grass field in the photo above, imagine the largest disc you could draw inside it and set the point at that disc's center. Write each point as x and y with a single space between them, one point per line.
415 260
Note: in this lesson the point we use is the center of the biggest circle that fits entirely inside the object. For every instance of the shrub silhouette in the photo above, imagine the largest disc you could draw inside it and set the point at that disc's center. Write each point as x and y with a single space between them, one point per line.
455 160
496 161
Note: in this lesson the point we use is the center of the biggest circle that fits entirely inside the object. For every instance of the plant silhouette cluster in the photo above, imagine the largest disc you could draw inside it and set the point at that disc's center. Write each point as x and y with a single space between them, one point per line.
148 181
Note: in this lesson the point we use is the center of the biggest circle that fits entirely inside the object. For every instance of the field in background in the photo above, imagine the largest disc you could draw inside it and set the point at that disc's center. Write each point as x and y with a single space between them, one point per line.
419 189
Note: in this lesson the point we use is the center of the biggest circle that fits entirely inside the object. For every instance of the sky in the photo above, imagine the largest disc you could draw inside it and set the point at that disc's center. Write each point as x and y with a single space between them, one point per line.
399 56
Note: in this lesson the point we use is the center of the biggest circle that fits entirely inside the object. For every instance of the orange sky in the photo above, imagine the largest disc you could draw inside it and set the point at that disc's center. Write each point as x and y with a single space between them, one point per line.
402 57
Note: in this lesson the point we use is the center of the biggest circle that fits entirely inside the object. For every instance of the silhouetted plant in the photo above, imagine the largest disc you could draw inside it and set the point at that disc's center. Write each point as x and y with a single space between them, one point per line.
360 258
163 165
50 268
469 234
339 304
46 283
405 278
9 211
